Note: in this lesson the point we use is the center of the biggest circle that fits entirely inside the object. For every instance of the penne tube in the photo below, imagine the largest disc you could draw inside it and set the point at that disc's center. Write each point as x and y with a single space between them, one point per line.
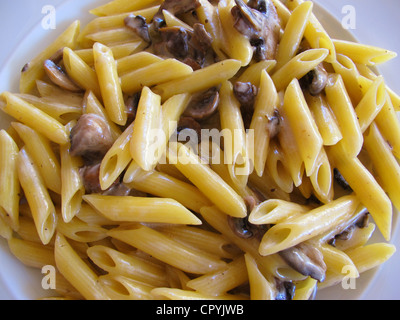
10 187
265 106
208 182
31 254
315 34
371 256
367 189
371 104
72 188
298 66
254 71
260 288
110 87
118 287
324 119
167 250
362 53
384 162
76 271
147 136
336 260
206 240
117 263
308 225
304 128
201 79
222 280
305 289
235 144
119 6
347 69
80 231
277 167
37 195
293 34
34 70
322 178
35 118
166 186
389 125
274 211
39 147
61 112
344 112
116 159
112 37
237 45
80 72
136 61
154 74
179 294
141 209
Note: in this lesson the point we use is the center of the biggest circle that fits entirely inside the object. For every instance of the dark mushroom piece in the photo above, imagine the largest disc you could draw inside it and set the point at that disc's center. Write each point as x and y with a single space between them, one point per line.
274 124
316 80
285 290
242 228
341 180
175 7
138 25
203 104
91 138
59 77
91 178
189 130
305 259
245 93
262 28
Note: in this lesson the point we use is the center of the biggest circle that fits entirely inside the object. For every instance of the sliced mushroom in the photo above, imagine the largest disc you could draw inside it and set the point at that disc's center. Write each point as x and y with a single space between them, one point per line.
285 290
176 7
190 47
131 104
91 178
91 138
138 25
203 104
188 130
274 124
245 93
306 259
262 28
246 230
316 80
340 179
59 77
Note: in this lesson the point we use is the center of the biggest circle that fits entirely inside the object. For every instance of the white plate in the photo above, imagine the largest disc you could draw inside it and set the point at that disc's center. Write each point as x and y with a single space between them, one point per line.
23 36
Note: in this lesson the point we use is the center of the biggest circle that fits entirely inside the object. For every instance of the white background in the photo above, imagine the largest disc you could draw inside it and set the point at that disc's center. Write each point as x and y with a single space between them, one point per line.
377 23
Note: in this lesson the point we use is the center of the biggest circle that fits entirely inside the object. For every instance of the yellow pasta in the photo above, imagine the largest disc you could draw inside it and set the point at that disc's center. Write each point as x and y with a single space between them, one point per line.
136 209
110 87
362 53
33 70
34 118
37 195
9 200
273 169
303 125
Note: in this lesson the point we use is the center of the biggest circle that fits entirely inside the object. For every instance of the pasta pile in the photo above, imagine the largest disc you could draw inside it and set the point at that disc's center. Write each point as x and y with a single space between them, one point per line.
310 151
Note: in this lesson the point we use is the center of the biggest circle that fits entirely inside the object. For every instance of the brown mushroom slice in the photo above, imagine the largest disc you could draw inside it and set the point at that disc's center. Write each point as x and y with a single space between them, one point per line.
91 178
306 259
261 27
316 80
91 138
245 93
203 104
59 77
138 25
176 7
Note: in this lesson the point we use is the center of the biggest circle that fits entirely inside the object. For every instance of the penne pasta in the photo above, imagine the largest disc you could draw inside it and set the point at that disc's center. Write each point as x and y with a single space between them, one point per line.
139 209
